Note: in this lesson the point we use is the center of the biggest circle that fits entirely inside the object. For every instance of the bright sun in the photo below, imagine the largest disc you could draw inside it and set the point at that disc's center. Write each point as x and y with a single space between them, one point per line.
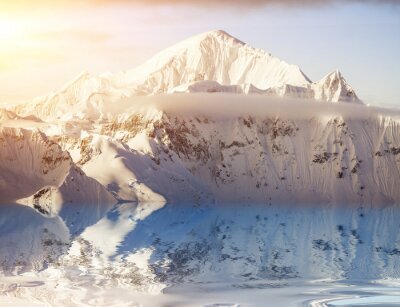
8 29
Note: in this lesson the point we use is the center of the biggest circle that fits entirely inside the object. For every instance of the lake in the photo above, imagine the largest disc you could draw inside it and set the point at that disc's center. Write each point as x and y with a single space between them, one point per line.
155 254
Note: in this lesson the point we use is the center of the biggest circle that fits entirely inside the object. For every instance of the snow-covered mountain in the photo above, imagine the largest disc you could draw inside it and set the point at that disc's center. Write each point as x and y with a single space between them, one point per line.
232 66
205 124
210 62
215 56
273 157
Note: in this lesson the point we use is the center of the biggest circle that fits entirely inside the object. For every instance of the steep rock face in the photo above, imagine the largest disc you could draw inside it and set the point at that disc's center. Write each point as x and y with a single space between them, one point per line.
36 171
328 159
277 160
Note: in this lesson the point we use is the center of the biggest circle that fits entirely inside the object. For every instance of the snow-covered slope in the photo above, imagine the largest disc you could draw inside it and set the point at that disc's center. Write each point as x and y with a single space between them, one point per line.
334 88
84 98
37 172
133 171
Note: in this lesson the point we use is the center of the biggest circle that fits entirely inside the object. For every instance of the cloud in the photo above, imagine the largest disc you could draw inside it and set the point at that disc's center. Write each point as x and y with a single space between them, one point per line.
225 106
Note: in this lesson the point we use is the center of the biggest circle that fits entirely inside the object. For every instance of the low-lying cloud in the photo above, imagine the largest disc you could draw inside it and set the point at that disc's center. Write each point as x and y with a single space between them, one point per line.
232 105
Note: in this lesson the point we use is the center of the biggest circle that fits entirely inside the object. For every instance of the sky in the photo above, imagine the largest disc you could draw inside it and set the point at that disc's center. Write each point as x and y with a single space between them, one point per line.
44 44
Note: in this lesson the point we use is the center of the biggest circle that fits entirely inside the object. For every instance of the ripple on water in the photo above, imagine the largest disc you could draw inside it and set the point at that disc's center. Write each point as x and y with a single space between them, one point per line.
377 300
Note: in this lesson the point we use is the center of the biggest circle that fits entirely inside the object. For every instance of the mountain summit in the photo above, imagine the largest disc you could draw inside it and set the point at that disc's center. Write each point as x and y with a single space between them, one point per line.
214 56
333 87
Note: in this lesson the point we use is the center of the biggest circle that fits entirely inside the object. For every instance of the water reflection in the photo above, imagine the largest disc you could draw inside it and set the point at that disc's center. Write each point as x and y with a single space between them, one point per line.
151 246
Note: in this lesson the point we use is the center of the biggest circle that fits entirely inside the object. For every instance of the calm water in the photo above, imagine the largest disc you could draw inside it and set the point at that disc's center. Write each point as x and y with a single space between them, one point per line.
303 256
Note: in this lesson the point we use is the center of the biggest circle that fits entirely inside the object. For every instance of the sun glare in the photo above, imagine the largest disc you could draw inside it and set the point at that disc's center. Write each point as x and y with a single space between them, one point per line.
9 29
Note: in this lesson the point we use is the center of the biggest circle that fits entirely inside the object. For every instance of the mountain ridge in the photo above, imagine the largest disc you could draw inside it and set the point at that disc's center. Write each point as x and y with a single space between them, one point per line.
216 57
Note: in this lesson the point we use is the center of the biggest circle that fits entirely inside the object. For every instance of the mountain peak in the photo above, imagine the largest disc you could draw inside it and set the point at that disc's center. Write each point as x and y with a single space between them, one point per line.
84 75
336 74
333 77
221 34
333 87
213 56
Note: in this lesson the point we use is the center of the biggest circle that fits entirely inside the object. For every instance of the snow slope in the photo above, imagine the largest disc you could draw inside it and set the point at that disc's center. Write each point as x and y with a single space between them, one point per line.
37 172
83 98
331 88
133 174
